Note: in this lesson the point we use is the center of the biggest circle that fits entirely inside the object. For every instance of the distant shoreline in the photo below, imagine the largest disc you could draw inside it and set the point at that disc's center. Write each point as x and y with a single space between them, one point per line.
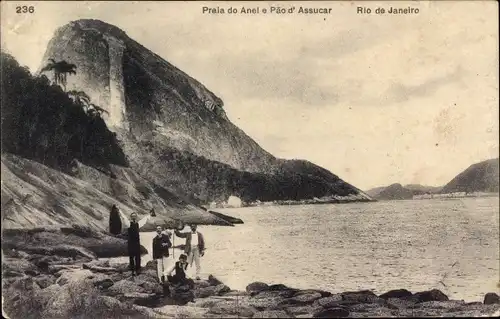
455 195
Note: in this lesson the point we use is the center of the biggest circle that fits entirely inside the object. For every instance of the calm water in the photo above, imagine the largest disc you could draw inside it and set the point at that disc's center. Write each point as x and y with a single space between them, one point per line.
452 245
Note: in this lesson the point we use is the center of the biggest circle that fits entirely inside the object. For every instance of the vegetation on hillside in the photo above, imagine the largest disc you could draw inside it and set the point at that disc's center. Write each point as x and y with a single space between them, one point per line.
42 122
61 70
479 177
216 181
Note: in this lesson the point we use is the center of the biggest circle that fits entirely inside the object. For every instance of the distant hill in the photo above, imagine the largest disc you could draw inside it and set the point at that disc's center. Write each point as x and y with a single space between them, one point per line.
398 191
479 177
422 189
395 191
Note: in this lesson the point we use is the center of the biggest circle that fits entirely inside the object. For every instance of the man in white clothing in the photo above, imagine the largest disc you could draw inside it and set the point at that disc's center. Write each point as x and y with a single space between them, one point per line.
195 247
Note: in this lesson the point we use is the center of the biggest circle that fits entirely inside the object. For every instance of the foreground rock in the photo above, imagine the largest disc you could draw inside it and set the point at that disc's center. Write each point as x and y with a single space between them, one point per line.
97 289
73 242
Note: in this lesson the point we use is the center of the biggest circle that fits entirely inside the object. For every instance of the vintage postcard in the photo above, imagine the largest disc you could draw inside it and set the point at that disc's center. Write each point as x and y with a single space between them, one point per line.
253 159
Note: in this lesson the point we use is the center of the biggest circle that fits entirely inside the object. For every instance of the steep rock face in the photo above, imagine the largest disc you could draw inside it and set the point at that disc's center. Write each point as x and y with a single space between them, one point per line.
173 130
144 93
479 177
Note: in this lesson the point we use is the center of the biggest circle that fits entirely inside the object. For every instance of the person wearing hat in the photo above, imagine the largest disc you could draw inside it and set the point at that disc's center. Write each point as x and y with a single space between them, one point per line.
180 271
134 243
161 246
194 248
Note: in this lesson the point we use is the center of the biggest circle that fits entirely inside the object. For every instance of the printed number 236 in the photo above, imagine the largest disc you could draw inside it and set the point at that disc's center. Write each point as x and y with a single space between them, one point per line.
25 9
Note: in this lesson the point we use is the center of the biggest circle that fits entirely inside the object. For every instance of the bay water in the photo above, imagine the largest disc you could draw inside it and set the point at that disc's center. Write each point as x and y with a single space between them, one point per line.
448 244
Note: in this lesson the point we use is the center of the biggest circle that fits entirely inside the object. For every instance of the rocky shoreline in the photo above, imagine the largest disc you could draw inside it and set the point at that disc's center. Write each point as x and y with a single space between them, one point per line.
70 281
52 287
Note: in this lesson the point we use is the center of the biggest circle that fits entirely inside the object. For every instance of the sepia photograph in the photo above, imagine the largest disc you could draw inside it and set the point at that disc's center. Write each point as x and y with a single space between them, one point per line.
249 159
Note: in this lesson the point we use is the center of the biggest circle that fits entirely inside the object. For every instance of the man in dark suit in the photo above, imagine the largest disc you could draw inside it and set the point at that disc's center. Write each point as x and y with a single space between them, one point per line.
134 243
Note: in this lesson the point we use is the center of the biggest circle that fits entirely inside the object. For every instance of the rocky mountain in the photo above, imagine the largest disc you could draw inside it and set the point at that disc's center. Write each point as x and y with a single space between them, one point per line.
397 191
60 164
479 177
172 129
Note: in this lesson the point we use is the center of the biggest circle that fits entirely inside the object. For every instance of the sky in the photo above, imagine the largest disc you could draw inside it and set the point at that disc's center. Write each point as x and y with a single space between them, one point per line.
375 99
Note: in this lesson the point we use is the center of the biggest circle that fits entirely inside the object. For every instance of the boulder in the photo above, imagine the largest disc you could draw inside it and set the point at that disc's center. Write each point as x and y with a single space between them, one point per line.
266 300
329 302
303 310
152 287
45 281
232 308
204 292
278 287
214 281
18 265
363 296
80 237
491 298
11 273
43 265
19 299
221 289
73 275
173 311
308 291
396 293
285 293
63 250
256 287
399 303
303 299
206 302
100 269
430 295
57 270
271 314
25 284
332 313
80 299
123 287
103 283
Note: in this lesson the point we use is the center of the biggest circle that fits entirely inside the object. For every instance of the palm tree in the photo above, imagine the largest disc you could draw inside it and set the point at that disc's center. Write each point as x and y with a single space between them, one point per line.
96 110
80 98
61 70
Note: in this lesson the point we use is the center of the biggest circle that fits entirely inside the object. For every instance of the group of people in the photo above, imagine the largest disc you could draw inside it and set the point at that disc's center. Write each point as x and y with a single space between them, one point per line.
162 243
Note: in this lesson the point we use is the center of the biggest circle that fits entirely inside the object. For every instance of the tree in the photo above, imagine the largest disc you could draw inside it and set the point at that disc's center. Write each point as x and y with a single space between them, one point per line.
61 69
80 98
97 110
